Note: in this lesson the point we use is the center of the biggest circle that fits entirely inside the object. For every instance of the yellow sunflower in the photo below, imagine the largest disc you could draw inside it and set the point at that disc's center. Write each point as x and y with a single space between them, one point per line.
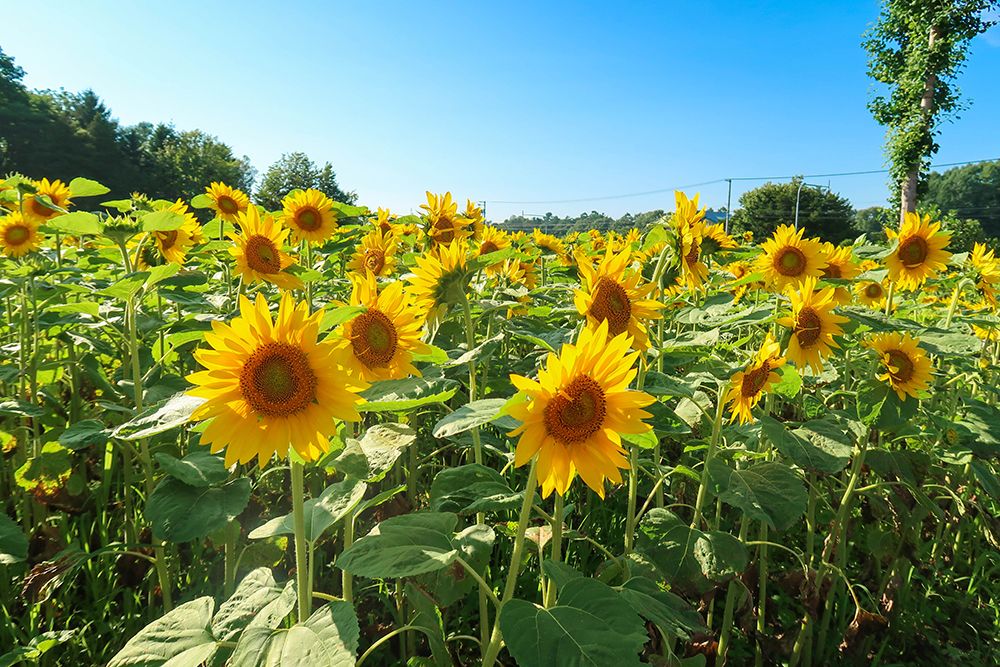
871 293
788 259
746 387
191 224
694 272
258 250
474 214
227 202
174 244
987 268
550 244
383 220
739 270
611 292
439 279
492 240
919 253
715 238
57 192
375 253
444 225
309 214
382 340
813 324
19 235
907 367
270 384
576 411
840 264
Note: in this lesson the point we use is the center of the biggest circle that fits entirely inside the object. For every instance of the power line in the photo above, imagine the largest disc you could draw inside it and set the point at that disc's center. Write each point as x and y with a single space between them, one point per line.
725 180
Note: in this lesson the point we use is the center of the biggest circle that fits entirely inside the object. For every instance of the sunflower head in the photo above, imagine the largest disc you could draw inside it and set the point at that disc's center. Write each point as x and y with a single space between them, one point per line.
492 240
549 244
443 223
748 386
19 235
383 220
258 250
51 198
715 238
813 325
904 366
309 214
227 202
919 253
376 253
573 416
788 259
440 279
269 383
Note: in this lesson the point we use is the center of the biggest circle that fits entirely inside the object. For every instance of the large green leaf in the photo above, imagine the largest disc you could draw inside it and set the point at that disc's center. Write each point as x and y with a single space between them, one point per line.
13 542
472 488
77 223
176 411
336 501
196 469
670 612
688 556
161 221
468 417
179 512
84 433
806 447
591 625
85 187
258 601
374 455
180 638
450 584
404 395
328 638
403 546
769 492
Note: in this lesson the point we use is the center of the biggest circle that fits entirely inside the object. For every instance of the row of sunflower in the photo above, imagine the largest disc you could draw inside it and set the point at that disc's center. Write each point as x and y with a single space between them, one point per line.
641 363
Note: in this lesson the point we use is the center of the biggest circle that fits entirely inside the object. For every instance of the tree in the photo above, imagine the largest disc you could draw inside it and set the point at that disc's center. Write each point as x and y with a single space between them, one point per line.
295 171
972 191
824 214
917 49
872 221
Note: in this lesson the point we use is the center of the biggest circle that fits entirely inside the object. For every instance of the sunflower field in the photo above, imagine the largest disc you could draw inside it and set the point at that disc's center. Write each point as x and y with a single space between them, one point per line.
327 436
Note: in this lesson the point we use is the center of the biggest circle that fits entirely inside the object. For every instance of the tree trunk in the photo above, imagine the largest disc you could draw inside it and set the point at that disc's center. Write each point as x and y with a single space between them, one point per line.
908 192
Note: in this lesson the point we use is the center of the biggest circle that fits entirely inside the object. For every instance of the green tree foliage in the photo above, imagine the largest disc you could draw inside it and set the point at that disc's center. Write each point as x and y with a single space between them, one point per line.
554 224
916 50
59 134
965 232
972 191
824 214
873 221
295 171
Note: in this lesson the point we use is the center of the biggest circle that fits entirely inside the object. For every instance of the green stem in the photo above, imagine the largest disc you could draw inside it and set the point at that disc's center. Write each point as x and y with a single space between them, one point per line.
712 446
493 648
299 520
888 298
633 465
727 614
556 554
347 579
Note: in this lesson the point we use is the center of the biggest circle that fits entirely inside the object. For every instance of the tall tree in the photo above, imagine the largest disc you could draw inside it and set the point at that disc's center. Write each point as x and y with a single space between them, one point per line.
972 191
917 49
295 171
824 214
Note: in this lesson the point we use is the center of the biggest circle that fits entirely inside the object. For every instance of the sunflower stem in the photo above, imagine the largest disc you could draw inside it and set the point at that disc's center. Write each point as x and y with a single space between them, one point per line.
299 521
633 464
556 554
492 649
727 614
888 297
713 444
347 579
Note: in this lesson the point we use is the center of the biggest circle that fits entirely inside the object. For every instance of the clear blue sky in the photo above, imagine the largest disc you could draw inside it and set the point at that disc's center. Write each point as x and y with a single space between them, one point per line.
512 101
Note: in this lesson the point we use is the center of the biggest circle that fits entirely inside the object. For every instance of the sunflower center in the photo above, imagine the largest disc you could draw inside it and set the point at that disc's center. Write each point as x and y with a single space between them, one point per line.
903 365
40 209
913 251
487 247
444 230
277 380
693 253
873 291
168 239
611 304
832 271
790 261
374 260
754 381
308 219
374 338
808 327
577 412
263 255
227 205
17 235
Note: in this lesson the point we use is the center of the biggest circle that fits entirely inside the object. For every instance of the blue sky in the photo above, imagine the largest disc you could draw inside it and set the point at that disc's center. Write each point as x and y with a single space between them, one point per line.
514 101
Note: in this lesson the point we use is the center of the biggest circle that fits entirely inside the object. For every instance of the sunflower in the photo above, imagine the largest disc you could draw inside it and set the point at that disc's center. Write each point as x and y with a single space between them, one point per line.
520 273
270 384
694 272
748 386
258 250
444 225
191 224
612 293
375 253
739 270
907 367
309 214
987 269
549 244
492 240
227 202
474 214
174 244
383 220
789 259
439 279
715 238
57 192
871 293
574 414
840 265
19 235
813 324
381 341
919 253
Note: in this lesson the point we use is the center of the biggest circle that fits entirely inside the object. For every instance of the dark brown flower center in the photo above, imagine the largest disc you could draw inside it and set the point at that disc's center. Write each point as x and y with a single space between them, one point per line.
913 251
808 327
227 204
487 247
900 366
790 261
16 235
308 219
832 271
577 411
262 255
374 338
693 254
277 380
611 304
755 380
168 239
873 291
374 260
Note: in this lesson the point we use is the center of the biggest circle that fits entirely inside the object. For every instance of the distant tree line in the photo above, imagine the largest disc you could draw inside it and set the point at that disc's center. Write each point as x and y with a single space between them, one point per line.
59 134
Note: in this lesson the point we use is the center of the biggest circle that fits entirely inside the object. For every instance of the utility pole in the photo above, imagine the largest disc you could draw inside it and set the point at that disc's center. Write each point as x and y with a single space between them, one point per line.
729 202
798 193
